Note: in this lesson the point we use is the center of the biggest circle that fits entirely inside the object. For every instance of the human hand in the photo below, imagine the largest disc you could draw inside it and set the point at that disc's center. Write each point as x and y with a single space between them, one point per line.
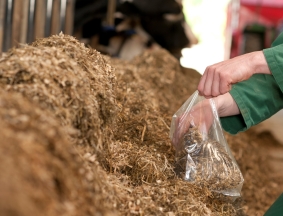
199 116
218 78
202 117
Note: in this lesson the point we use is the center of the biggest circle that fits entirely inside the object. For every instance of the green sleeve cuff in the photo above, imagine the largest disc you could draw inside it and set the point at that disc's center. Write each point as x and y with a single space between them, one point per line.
257 98
233 124
237 123
277 207
274 58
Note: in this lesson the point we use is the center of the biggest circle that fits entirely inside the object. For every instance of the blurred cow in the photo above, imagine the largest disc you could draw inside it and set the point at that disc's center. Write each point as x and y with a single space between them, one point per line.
138 25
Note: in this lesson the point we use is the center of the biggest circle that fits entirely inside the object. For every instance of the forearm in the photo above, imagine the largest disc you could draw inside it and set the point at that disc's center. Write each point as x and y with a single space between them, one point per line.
257 98
259 63
226 105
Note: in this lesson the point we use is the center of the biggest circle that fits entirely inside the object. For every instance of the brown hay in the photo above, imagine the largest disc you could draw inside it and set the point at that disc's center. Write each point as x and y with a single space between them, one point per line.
142 132
167 84
53 81
143 152
164 74
94 67
39 168
50 78
106 191
261 186
78 87
140 163
139 93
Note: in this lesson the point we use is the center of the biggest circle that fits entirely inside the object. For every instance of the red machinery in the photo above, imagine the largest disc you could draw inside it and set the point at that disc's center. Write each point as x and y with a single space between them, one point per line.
253 24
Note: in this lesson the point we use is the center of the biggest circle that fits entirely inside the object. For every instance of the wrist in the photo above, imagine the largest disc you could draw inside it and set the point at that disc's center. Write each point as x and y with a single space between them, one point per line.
226 105
259 63
218 101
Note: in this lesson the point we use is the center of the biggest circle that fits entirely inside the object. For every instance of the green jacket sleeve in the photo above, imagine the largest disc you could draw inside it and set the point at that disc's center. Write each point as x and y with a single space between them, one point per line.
257 98
277 207
261 96
274 58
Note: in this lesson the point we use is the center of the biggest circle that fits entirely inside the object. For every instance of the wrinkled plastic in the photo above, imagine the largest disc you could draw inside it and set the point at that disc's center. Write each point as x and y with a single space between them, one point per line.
202 153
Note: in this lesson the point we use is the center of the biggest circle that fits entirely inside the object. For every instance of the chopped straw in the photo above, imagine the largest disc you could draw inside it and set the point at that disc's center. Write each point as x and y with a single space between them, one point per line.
94 140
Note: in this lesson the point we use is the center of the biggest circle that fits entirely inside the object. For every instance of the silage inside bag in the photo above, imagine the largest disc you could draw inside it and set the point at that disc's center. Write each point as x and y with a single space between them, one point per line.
202 153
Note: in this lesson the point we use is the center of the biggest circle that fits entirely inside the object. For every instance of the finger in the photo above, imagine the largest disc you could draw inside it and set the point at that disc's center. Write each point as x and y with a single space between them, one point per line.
202 82
201 117
215 91
208 84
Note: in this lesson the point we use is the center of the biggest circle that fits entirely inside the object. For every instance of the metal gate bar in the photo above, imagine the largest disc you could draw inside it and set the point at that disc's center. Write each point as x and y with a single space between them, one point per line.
8 25
22 21
2 18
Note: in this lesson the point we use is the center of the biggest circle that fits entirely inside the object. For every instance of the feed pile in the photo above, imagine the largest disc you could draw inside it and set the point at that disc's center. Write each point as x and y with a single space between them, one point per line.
126 119
50 78
94 68
143 151
262 185
162 77
39 167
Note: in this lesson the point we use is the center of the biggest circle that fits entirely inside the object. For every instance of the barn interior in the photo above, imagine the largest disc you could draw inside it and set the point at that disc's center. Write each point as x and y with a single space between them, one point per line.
88 91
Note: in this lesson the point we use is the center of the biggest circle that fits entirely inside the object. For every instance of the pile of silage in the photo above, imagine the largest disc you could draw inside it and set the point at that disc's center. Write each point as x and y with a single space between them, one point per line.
138 97
77 86
53 80
48 80
168 84
95 69
140 158
142 150
262 185
39 168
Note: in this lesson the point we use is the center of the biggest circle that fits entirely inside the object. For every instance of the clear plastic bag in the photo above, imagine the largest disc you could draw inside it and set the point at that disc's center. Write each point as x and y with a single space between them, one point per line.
202 153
